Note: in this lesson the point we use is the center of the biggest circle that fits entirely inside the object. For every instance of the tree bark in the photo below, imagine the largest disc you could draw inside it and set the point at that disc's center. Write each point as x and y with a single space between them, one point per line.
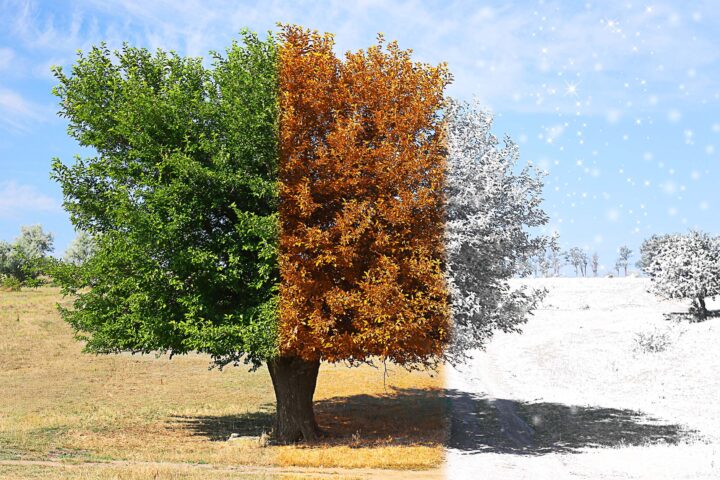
701 308
294 381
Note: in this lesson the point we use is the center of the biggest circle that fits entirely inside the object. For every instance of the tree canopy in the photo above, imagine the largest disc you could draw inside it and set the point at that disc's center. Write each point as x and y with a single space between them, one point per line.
685 267
492 203
287 206
181 200
362 210
649 248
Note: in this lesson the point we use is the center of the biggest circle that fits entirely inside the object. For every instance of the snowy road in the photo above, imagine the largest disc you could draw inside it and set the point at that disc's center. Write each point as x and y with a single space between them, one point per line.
572 397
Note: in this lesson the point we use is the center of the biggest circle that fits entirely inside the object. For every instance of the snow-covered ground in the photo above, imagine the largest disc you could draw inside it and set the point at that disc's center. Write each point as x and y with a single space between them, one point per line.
575 397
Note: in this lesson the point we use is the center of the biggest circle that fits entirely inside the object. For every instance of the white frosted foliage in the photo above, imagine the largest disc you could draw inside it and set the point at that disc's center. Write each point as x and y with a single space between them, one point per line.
492 202
687 267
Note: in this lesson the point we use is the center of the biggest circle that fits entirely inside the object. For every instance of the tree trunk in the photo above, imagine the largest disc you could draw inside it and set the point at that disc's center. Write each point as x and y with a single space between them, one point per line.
701 308
294 381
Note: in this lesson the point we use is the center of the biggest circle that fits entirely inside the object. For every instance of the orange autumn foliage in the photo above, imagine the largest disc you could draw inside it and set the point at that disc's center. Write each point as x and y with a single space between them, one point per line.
361 174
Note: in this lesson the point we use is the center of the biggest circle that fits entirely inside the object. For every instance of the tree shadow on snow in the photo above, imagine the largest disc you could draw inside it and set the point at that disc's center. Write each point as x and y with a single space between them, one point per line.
677 317
505 426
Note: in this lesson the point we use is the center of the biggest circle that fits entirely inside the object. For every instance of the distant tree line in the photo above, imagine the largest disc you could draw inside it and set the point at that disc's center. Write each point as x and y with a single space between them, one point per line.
550 260
26 261
680 266
23 261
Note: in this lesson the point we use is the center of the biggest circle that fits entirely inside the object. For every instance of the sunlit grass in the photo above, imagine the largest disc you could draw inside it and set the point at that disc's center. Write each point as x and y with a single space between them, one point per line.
60 404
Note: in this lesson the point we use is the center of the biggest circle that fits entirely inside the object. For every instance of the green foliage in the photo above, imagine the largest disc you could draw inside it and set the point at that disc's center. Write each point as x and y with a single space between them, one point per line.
11 284
180 200
6 258
35 282
26 258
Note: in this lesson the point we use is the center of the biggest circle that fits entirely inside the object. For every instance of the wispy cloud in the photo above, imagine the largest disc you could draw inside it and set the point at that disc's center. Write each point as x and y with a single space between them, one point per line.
524 56
17 113
547 57
39 28
17 198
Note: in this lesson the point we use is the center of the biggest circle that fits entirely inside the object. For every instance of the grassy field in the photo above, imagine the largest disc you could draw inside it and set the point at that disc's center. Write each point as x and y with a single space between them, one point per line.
84 416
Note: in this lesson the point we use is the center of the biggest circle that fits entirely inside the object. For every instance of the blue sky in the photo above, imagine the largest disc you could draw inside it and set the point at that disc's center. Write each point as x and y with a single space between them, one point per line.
618 101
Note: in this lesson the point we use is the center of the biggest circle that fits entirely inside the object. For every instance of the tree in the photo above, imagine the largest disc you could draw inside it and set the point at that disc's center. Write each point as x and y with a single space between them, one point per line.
543 264
282 207
33 242
584 259
362 162
80 249
687 267
532 266
6 259
180 198
490 208
554 256
595 263
24 259
578 259
624 254
649 248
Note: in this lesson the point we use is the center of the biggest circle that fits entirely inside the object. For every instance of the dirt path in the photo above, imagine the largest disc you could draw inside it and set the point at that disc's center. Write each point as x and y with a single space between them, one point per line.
338 473
483 418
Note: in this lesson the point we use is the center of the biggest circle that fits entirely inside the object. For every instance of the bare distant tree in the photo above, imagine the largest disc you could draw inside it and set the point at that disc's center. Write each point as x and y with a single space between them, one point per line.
624 254
578 259
554 257
540 262
544 265
595 263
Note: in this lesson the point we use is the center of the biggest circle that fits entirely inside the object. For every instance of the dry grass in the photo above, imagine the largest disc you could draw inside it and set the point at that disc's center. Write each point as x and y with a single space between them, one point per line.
142 472
400 426
60 404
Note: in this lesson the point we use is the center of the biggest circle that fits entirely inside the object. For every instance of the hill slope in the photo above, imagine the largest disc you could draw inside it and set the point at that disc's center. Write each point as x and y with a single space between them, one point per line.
581 394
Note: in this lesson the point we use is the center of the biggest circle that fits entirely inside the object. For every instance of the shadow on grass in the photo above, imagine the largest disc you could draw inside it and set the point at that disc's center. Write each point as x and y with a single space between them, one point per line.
219 428
505 426
402 417
477 424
